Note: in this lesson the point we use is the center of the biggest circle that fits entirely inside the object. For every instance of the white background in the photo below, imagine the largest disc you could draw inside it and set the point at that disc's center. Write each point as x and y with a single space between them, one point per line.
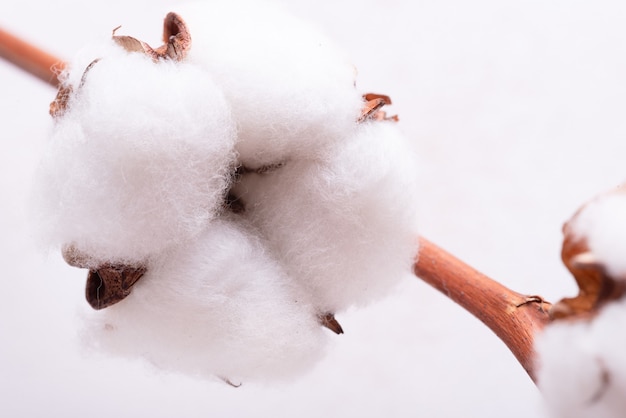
517 109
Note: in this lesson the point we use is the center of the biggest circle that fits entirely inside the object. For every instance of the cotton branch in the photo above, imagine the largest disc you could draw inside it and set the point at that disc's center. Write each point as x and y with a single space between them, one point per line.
30 58
513 317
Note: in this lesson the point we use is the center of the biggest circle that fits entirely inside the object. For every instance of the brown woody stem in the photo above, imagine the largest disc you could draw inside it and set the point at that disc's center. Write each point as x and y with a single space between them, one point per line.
513 317
30 58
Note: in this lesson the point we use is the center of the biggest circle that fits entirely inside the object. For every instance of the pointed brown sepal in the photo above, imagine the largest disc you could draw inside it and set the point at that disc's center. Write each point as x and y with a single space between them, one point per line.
60 103
371 108
108 285
328 320
175 35
129 43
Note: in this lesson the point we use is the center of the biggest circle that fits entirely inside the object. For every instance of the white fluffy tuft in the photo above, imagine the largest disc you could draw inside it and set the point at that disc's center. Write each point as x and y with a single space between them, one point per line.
343 225
291 89
603 223
582 368
140 161
218 306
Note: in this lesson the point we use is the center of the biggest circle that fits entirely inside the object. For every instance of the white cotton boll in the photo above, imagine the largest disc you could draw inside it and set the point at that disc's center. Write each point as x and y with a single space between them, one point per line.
582 368
602 222
291 89
344 225
219 306
140 160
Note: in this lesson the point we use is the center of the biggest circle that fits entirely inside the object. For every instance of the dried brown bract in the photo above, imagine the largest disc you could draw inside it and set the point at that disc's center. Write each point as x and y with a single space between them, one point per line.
107 283
61 102
175 35
596 285
329 321
372 108
110 284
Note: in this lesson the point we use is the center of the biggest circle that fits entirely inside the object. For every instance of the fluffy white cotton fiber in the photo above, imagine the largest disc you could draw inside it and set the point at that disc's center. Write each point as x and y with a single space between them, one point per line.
140 160
582 368
219 305
602 222
344 225
262 109
291 89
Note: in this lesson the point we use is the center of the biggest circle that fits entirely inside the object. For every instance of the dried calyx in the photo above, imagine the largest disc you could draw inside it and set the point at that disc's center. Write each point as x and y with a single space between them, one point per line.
597 284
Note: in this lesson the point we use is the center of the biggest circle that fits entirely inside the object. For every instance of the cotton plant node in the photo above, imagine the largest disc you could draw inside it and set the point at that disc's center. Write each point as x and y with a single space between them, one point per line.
514 317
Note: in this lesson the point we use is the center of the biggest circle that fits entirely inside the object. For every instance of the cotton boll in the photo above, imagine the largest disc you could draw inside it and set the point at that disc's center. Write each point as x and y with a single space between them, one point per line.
139 161
291 90
582 370
602 222
219 306
343 225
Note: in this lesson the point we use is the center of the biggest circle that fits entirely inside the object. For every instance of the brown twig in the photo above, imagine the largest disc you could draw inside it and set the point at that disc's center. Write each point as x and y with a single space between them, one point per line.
30 58
513 317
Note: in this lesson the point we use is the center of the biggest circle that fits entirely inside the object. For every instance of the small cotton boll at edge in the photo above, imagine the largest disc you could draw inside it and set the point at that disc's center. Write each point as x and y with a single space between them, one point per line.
140 160
291 89
602 222
344 225
219 306
582 368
